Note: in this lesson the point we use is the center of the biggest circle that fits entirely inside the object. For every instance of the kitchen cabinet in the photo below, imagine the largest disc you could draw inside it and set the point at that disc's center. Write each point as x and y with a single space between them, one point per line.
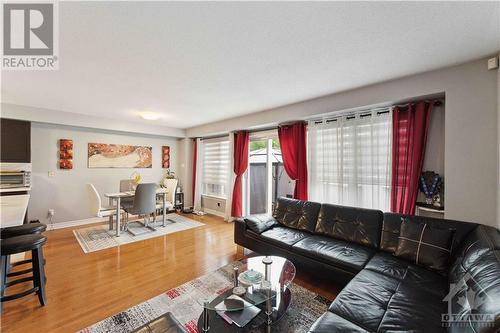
15 141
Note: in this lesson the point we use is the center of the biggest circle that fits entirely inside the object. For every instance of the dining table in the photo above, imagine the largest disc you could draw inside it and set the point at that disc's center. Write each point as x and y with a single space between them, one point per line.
118 196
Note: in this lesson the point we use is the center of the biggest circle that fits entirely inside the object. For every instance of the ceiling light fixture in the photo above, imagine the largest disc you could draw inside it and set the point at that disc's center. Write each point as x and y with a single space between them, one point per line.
150 116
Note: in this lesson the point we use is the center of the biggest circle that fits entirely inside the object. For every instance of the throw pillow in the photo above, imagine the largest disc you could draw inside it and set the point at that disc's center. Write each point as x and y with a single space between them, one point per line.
425 246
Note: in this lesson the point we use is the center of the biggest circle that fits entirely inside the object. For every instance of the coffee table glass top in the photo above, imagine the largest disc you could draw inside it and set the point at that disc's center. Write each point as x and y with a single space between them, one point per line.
260 282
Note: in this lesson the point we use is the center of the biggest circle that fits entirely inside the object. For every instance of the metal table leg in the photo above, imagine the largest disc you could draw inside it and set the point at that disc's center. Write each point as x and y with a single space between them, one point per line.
118 218
164 209
206 323
269 312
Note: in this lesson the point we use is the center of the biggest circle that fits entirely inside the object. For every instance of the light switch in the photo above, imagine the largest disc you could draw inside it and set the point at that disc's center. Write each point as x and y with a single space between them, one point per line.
52 174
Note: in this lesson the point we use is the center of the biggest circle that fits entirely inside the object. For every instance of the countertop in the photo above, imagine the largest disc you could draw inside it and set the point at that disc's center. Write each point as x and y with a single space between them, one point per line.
13 209
15 189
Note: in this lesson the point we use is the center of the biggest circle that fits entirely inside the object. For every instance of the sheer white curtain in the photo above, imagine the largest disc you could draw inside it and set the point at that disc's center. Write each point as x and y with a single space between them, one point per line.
350 159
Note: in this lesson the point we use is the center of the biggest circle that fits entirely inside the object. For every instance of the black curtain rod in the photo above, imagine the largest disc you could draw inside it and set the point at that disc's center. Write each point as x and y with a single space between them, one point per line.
435 102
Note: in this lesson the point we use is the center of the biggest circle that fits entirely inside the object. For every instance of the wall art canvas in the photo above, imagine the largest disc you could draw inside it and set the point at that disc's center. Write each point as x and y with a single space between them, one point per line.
66 154
103 155
165 157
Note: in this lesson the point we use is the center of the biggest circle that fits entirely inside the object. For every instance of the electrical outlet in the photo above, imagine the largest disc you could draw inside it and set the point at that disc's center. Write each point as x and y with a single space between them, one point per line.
493 63
51 212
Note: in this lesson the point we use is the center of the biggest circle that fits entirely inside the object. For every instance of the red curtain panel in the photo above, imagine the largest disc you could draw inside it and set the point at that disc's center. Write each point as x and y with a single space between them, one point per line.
195 154
240 166
294 152
409 135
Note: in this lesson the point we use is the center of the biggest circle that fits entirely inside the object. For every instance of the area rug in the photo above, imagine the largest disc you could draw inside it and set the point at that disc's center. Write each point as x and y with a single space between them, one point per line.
305 308
99 237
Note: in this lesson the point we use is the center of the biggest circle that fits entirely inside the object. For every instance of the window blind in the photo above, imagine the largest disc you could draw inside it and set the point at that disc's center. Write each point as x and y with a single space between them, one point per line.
215 167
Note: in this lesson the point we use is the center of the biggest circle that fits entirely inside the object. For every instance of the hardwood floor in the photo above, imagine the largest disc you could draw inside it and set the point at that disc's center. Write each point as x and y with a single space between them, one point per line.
85 288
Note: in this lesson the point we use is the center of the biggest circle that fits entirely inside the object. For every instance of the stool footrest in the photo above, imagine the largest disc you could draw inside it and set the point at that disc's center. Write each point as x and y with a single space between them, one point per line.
24 271
22 262
21 280
19 295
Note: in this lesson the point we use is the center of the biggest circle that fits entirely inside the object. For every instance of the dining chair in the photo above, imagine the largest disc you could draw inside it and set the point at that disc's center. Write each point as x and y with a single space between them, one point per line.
171 188
126 185
98 209
144 203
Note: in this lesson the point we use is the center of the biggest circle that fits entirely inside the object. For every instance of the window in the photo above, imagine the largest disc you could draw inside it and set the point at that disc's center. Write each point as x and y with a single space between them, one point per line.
350 159
215 167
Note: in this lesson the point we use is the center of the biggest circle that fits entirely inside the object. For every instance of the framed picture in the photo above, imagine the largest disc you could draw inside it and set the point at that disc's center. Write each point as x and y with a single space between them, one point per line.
103 155
65 154
165 157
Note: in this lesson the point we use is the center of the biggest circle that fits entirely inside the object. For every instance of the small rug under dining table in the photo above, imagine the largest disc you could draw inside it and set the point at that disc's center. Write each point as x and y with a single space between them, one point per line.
99 237
305 308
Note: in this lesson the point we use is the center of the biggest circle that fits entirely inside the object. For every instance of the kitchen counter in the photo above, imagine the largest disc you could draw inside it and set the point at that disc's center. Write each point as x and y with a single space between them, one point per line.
13 209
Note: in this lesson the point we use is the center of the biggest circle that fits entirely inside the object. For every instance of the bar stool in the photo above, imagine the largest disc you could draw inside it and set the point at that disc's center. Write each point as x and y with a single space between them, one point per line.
24 229
19 244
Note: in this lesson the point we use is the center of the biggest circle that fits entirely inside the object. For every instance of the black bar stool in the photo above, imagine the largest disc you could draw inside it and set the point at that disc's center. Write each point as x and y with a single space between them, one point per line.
24 229
19 244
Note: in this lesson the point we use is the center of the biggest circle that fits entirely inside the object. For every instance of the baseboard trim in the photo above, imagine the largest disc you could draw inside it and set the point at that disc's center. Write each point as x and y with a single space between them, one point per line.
75 223
214 212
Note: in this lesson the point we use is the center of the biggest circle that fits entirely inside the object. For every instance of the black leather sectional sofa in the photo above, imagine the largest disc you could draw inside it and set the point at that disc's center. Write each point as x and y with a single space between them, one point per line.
385 290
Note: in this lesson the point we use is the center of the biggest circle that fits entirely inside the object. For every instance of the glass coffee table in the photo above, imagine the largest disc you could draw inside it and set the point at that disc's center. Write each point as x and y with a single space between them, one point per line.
262 287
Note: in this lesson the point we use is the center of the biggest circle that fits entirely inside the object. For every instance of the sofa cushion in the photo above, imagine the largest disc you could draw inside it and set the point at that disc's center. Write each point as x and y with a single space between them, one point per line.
413 310
379 302
421 278
260 222
329 322
348 256
284 236
392 225
351 224
297 214
425 246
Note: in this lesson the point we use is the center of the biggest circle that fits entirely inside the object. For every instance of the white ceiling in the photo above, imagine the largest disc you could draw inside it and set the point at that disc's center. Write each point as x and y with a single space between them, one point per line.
197 63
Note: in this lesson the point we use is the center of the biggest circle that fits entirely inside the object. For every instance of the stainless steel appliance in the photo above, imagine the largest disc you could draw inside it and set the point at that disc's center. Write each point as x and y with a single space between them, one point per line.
15 175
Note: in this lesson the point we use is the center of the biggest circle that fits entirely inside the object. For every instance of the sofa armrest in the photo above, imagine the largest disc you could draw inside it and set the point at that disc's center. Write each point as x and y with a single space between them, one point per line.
260 222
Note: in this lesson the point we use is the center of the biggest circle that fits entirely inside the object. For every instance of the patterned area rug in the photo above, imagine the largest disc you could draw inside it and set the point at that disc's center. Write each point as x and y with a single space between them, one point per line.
99 237
305 308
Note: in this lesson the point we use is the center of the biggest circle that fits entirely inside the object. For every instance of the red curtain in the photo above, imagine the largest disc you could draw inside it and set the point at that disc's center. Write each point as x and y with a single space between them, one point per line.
293 150
195 154
409 135
240 166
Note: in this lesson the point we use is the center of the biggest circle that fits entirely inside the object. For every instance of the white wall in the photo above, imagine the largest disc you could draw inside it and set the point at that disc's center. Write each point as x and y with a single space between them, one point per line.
471 160
185 169
434 149
67 192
